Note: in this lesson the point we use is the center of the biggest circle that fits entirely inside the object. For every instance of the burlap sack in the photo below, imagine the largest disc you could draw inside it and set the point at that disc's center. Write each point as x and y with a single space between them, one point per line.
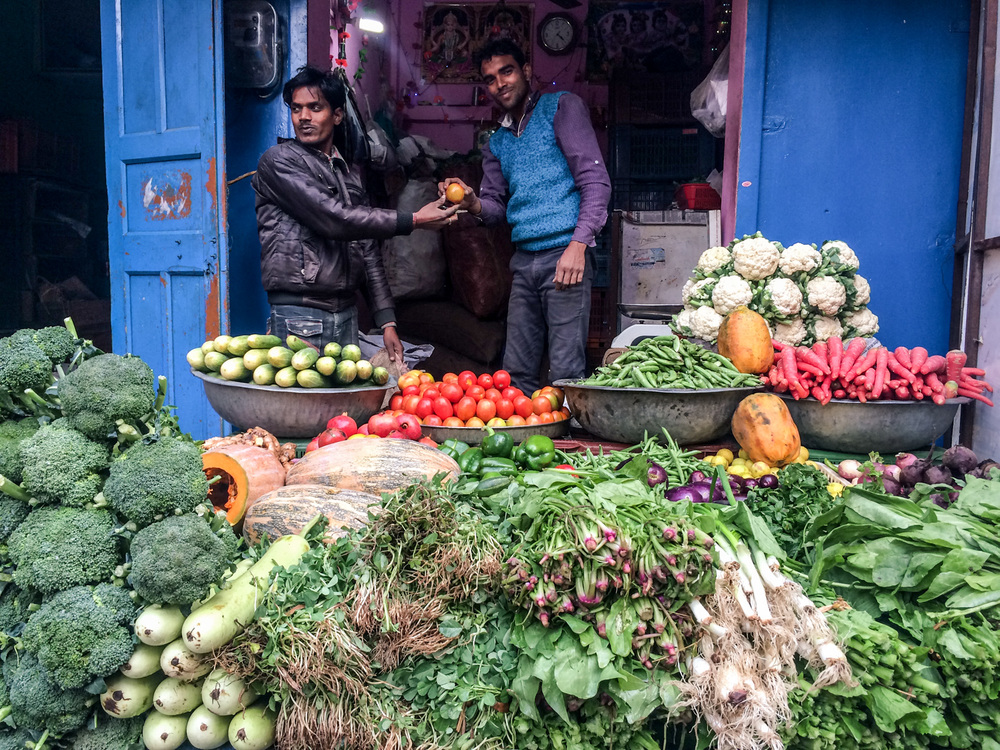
396 370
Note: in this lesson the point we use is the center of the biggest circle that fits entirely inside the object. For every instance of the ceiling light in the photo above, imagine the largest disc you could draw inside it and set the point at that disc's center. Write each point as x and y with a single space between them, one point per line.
371 25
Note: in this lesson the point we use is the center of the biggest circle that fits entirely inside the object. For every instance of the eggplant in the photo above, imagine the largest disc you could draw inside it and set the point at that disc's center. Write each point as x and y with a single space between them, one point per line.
768 481
703 490
913 472
938 475
736 483
698 476
960 460
740 497
680 494
655 474
750 483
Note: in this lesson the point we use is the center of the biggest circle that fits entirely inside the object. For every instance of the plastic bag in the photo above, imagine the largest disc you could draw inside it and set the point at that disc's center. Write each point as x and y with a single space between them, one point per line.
708 100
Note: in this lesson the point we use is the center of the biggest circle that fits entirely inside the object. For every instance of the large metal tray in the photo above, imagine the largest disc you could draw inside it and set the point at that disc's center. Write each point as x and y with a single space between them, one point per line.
475 435
289 412
887 427
626 415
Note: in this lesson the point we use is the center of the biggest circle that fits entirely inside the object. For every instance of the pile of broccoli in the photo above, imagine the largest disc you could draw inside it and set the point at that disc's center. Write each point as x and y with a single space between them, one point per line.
109 734
58 343
12 432
81 633
106 390
62 465
37 702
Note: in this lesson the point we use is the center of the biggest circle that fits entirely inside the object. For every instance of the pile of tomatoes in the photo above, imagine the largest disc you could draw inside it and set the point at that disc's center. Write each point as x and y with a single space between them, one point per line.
469 400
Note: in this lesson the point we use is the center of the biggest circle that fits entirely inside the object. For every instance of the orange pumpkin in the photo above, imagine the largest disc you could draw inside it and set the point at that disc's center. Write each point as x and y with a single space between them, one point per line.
764 428
246 472
745 339
373 466
288 509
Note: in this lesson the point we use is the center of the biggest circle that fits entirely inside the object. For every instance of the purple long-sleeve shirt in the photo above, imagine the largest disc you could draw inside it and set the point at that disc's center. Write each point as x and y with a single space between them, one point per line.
578 142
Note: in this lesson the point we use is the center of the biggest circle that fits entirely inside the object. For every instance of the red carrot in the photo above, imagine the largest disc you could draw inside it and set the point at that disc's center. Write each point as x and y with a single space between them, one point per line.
974 394
870 379
903 393
902 355
934 382
811 369
835 353
820 350
954 362
973 384
778 346
807 356
865 362
854 350
791 371
918 355
933 364
897 368
881 363
973 371
840 393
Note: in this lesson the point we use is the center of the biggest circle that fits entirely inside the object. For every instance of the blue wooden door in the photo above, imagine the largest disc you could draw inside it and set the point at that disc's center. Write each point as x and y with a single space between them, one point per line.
163 116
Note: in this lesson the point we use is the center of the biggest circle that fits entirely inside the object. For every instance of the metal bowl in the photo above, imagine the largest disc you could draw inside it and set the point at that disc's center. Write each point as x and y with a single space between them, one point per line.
626 415
475 435
847 426
289 412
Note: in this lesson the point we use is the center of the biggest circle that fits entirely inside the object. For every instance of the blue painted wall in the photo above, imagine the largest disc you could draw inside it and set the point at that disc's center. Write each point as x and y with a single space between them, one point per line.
253 125
852 130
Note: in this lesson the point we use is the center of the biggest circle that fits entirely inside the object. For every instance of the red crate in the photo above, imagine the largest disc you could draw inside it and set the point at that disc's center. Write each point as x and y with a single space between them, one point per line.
698 196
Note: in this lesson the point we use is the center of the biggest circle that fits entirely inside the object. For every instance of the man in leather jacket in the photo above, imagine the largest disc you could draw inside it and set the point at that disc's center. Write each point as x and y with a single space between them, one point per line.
317 232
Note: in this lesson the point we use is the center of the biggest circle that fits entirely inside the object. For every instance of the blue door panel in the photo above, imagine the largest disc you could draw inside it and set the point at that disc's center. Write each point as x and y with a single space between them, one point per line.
162 82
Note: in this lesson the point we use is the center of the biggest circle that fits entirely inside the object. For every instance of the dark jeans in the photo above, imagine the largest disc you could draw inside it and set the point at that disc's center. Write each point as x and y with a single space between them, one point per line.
318 327
539 314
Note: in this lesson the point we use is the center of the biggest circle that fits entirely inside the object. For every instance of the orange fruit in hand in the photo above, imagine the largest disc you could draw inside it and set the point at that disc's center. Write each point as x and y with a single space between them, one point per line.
454 193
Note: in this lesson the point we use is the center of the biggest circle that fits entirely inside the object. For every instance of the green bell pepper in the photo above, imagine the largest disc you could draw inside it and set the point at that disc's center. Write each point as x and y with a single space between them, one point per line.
498 465
520 456
471 461
497 444
453 448
540 451
492 485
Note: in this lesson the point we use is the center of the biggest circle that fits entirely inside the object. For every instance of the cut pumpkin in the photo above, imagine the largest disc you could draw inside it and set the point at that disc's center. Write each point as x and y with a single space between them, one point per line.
288 509
246 473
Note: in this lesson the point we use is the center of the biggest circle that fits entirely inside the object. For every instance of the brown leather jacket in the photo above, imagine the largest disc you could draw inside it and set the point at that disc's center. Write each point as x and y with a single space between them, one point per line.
317 233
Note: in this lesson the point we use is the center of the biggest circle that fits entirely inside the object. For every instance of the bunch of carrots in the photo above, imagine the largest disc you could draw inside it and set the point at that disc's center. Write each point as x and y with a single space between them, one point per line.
829 369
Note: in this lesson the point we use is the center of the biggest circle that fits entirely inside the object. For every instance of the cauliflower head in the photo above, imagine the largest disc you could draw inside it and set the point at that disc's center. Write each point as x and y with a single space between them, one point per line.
840 254
859 292
782 298
755 258
799 258
712 260
792 333
682 320
823 327
826 295
698 292
729 293
705 323
862 322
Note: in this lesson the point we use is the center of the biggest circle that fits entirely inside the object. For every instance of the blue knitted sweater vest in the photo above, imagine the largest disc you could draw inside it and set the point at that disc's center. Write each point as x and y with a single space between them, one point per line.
544 201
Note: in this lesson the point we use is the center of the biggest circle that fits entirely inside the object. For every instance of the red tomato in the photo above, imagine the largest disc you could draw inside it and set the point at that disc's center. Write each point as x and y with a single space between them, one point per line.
501 379
485 380
411 390
442 407
410 403
541 405
426 377
425 407
476 422
558 416
546 417
496 422
505 408
432 392
465 408
492 394
516 421
522 405
466 378
533 419
475 391
451 391
396 402
450 377
486 410
511 393
453 422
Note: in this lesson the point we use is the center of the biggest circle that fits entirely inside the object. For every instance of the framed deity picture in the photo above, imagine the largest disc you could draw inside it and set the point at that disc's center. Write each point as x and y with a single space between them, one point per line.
452 34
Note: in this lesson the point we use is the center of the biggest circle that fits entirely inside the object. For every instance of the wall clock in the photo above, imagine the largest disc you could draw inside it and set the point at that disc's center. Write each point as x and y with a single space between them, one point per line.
557 33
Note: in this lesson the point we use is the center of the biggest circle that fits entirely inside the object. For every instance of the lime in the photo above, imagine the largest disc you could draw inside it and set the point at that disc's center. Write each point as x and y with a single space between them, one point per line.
351 352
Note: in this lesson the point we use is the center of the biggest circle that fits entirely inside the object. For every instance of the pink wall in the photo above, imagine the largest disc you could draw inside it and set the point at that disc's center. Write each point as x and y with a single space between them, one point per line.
394 59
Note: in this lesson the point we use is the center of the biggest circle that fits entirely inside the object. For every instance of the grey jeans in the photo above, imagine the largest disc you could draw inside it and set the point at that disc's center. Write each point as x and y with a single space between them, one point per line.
318 327
538 314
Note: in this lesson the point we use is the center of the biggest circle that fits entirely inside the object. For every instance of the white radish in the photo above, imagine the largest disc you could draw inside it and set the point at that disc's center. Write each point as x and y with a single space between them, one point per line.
162 732
144 661
206 730
177 661
158 624
125 697
252 729
174 696
224 694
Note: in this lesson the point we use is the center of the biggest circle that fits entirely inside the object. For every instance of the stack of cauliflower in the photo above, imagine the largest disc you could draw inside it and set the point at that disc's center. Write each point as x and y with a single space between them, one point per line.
805 295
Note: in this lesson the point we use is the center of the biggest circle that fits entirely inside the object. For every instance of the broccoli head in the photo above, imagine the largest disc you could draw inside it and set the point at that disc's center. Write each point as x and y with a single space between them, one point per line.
56 548
23 365
62 465
105 389
14 739
12 513
153 480
15 604
58 343
12 433
82 633
176 560
109 734
36 701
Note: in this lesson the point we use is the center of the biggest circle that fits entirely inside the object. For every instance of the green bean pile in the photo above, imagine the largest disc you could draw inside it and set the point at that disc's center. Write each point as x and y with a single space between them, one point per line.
670 362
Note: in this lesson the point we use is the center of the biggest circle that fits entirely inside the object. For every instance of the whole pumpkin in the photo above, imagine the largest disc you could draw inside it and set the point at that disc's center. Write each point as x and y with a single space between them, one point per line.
745 339
764 428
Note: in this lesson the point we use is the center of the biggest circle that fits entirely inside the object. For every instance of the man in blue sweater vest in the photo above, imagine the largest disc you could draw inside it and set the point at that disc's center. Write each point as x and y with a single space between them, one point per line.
544 173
